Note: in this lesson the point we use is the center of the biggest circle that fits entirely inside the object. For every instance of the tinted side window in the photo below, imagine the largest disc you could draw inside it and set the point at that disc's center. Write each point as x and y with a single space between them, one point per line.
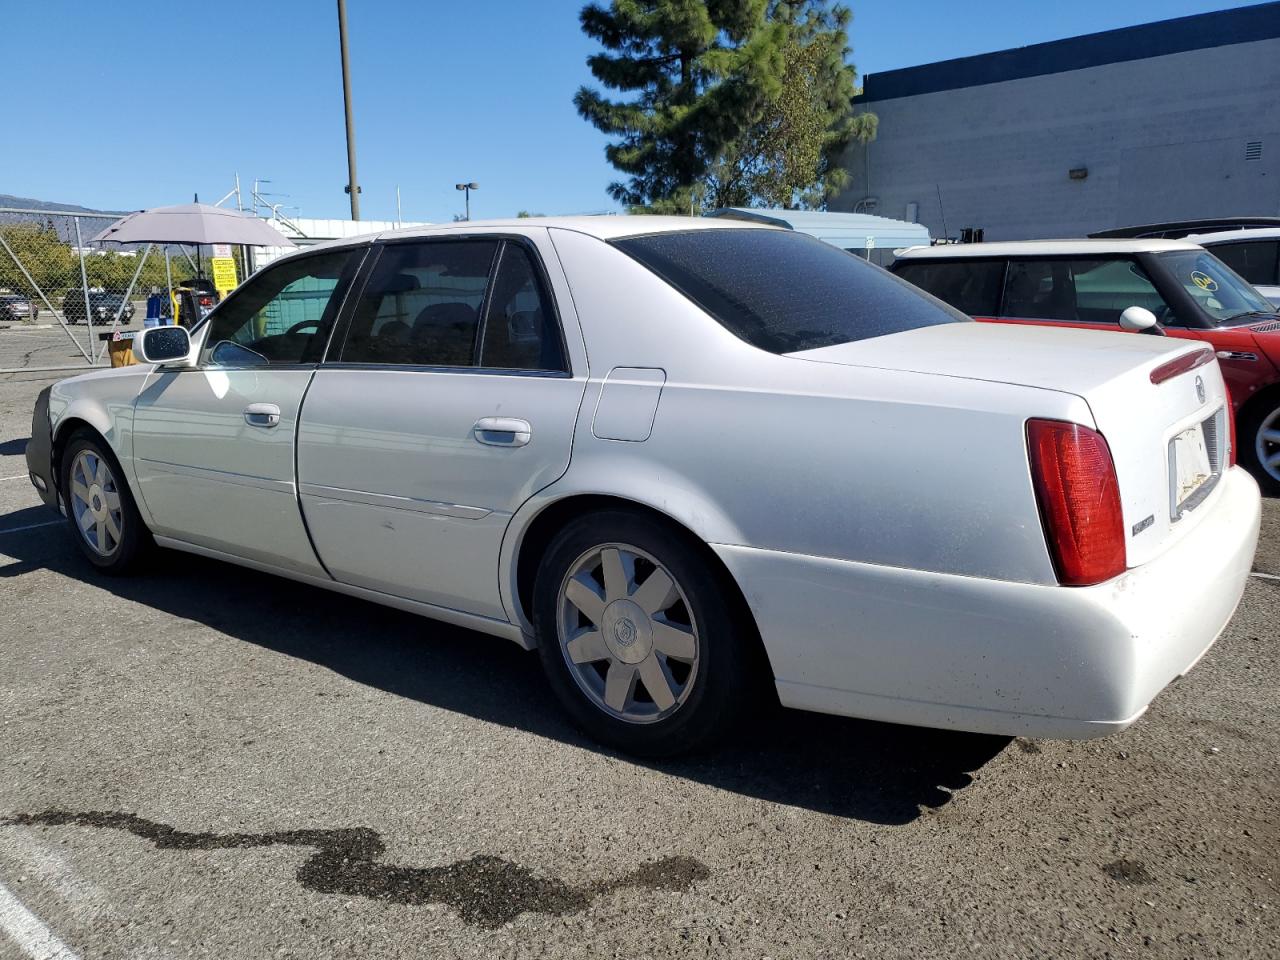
1039 290
520 328
971 286
421 305
283 315
783 291
1255 261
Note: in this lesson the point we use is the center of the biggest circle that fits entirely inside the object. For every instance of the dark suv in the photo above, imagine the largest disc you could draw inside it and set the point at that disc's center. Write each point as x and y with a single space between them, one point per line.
104 305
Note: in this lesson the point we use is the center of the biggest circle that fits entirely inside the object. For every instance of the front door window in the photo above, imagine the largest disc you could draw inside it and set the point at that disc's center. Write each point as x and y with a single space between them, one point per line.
282 316
1095 290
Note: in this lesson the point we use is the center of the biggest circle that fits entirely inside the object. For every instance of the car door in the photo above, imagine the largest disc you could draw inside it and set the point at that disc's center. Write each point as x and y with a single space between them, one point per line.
214 444
450 400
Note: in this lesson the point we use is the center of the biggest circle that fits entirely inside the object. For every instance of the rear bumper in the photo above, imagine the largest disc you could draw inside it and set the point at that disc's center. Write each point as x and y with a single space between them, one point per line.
40 452
940 650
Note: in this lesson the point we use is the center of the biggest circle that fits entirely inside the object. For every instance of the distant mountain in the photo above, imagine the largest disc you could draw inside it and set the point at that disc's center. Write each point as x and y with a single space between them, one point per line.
26 203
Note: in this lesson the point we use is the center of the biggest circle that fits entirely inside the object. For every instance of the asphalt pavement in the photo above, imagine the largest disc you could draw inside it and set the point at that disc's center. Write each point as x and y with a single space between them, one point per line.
205 761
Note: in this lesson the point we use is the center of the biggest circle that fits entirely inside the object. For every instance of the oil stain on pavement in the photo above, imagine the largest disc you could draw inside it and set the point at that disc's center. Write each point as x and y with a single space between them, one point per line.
485 891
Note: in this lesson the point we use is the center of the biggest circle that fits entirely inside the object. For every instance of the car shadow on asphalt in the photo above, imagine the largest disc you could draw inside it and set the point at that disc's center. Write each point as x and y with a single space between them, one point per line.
876 772
13 448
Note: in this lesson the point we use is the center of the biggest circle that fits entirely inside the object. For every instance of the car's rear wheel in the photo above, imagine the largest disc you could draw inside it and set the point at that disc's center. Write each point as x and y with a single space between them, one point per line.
100 510
638 636
1259 439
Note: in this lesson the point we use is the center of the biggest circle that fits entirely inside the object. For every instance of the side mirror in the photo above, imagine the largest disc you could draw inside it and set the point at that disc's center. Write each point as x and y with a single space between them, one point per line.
162 344
1139 320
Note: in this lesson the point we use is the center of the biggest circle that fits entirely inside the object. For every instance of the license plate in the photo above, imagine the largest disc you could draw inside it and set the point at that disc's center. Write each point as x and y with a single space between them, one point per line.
1191 467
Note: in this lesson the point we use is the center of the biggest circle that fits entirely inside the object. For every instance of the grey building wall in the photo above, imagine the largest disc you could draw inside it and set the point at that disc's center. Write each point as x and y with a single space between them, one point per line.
1163 138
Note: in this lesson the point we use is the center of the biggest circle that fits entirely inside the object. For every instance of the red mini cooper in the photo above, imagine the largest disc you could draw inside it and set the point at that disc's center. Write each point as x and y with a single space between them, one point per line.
1164 287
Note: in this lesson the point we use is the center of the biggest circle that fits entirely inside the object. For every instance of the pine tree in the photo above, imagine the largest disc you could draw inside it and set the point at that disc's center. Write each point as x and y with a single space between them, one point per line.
714 93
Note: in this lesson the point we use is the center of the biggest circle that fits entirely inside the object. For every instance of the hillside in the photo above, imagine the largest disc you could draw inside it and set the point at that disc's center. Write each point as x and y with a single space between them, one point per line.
27 203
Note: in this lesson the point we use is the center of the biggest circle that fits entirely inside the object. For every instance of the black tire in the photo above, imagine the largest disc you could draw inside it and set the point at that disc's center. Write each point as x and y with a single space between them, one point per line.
1247 430
727 679
127 552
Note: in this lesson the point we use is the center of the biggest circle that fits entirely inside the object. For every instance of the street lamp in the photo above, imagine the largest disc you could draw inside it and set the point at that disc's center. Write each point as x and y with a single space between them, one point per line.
467 188
353 187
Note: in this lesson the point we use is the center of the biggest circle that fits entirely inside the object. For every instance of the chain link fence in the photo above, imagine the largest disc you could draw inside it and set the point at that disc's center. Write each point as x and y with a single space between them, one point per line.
62 298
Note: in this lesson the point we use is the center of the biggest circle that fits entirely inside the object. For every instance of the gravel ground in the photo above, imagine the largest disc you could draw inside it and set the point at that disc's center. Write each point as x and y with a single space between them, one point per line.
207 762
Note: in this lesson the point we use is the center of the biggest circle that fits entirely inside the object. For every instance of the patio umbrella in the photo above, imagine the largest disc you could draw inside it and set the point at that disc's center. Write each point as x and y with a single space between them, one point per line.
193 223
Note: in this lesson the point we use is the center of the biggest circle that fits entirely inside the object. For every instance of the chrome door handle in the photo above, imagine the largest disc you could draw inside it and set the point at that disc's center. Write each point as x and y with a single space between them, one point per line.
502 431
262 415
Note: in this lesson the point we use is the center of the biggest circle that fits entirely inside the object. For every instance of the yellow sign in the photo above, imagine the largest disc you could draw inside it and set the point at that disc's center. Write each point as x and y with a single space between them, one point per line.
224 274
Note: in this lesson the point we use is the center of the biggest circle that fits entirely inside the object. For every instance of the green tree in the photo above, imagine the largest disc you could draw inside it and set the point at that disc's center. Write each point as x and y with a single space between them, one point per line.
55 267
791 156
50 262
708 99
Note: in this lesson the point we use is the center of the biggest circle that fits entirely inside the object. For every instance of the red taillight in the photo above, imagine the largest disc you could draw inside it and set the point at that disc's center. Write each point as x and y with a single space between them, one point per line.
206 301
1079 498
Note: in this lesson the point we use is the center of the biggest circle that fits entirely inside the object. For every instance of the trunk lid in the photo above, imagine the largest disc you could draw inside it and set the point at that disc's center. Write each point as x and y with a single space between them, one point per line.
1168 440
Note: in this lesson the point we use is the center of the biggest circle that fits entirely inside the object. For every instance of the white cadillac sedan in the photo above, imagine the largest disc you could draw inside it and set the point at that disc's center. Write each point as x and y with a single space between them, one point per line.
680 457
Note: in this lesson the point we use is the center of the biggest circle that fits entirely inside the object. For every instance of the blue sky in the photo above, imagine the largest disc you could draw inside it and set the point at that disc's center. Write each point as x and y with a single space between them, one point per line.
125 108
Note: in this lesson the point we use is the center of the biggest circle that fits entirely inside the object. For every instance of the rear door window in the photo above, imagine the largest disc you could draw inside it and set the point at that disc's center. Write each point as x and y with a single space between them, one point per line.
785 292
421 305
971 286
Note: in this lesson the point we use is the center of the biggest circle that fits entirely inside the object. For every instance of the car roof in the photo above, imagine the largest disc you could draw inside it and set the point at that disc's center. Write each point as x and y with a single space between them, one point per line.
1227 236
604 227
1043 248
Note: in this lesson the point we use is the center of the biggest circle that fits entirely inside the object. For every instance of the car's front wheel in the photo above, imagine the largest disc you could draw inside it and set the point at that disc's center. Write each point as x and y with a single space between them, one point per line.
638 635
100 510
1259 439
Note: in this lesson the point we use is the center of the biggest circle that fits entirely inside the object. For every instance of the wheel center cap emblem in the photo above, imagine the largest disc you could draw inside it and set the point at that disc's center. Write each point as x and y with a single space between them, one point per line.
624 631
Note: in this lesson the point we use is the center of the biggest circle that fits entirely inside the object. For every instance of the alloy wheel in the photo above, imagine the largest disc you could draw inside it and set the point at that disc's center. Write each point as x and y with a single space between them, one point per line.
1267 444
627 633
95 503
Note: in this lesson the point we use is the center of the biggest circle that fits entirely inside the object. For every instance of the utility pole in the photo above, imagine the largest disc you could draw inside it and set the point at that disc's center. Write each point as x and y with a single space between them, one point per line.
353 187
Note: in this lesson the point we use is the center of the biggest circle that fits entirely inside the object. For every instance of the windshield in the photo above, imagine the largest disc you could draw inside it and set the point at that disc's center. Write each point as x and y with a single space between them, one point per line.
785 292
1218 291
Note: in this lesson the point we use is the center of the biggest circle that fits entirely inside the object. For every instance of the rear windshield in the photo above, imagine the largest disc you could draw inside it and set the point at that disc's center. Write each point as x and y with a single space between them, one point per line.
785 292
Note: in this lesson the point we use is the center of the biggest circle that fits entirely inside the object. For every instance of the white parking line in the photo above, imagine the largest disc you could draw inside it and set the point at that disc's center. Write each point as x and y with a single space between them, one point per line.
16 476
28 931
32 526
1265 576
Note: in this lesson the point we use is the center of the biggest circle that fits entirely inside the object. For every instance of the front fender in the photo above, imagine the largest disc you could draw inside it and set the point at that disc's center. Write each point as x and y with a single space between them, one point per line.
102 401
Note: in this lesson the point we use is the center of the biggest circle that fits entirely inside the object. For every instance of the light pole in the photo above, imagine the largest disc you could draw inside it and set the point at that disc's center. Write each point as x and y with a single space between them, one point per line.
467 188
353 187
